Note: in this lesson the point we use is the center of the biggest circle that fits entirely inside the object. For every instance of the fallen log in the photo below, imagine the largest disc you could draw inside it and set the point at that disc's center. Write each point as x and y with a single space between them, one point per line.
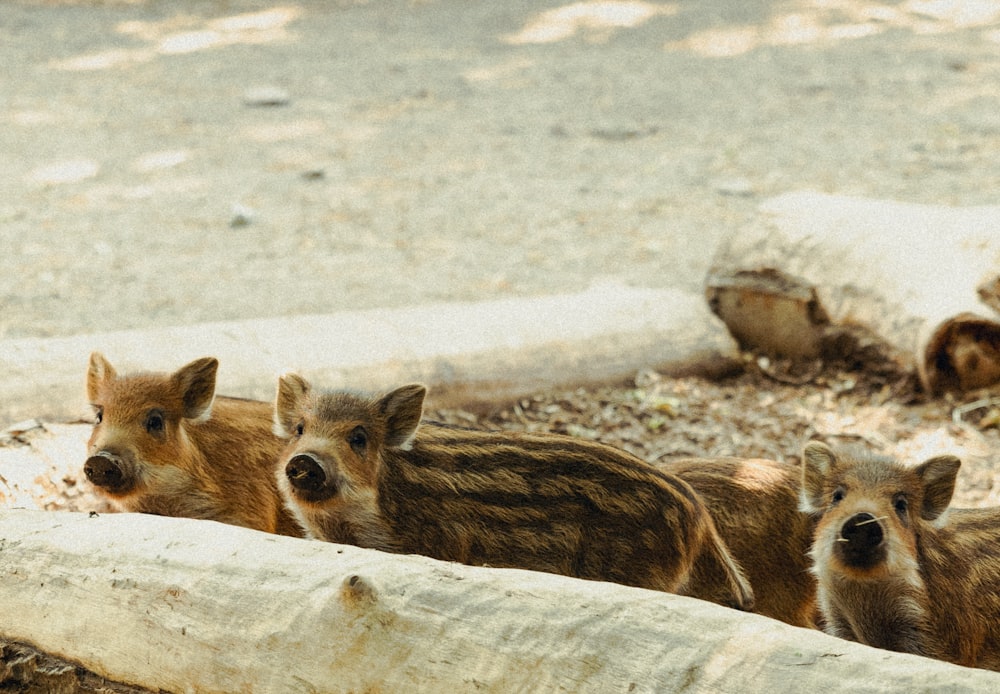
468 352
822 276
184 605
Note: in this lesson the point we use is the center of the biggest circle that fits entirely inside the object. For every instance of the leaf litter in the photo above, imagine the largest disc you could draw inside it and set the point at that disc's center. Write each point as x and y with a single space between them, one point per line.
764 413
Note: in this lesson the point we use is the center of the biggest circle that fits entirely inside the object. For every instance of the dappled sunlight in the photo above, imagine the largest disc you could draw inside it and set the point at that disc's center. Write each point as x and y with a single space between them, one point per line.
945 440
68 171
756 477
826 21
104 60
505 70
595 17
155 161
280 132
186 34
191 41
32 118
957 13
806 22
786 30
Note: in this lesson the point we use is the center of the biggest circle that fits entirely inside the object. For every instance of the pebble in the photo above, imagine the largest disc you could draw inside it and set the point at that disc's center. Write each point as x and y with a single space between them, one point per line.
737 187
266 96
242 216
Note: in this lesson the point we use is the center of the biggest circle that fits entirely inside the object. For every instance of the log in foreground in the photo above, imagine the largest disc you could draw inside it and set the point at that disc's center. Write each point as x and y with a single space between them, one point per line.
831 276
185 605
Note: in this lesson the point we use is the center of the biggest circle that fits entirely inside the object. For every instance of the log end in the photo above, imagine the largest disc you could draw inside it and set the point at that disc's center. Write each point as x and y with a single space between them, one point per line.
961 354
989 292
769 311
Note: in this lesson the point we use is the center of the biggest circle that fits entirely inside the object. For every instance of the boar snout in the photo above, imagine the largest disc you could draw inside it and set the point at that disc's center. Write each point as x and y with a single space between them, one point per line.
861 542
308 478
105 470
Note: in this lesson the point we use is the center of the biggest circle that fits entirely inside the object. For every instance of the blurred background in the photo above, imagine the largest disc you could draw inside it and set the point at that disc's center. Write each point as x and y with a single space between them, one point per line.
174 162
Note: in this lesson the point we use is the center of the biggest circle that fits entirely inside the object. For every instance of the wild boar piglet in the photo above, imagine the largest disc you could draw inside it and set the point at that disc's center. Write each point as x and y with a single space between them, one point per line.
165 444
755 506
363 470
896 569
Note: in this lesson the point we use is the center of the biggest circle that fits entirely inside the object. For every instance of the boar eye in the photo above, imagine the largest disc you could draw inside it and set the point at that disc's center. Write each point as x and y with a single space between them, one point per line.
837 496
300 428
98 414
154 422
900 504
358 440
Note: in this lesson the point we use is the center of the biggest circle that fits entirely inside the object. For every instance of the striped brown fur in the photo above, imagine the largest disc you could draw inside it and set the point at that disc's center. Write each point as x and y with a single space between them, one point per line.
164 444
896 568
363 470
755 506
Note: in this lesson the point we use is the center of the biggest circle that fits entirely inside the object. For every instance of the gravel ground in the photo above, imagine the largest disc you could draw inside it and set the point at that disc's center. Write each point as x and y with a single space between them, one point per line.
755 415
148 182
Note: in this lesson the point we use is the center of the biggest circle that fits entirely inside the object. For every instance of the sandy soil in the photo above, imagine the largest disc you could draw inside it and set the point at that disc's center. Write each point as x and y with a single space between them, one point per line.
170 163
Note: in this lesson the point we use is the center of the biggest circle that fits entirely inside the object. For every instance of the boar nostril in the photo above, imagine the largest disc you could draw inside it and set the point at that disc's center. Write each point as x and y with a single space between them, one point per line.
862 530
104 471
305 473
861 540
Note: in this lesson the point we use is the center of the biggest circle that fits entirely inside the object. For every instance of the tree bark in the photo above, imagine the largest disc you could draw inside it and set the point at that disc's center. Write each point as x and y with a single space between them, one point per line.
185 605
820 276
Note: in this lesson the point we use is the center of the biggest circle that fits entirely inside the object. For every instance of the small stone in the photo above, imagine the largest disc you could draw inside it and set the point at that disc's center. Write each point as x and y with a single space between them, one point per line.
736 187
242 216
359 592
266 96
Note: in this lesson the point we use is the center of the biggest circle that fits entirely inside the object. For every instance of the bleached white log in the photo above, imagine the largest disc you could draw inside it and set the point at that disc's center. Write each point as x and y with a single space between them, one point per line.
466 351
195 606
820 274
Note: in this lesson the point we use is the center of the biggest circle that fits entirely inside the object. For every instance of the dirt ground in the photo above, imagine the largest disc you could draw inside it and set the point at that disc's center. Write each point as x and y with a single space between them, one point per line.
175 162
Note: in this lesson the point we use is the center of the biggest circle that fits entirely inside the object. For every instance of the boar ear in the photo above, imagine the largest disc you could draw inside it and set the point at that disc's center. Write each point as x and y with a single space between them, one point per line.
99 372
289 403
817 462
196 383
938 477
402 408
